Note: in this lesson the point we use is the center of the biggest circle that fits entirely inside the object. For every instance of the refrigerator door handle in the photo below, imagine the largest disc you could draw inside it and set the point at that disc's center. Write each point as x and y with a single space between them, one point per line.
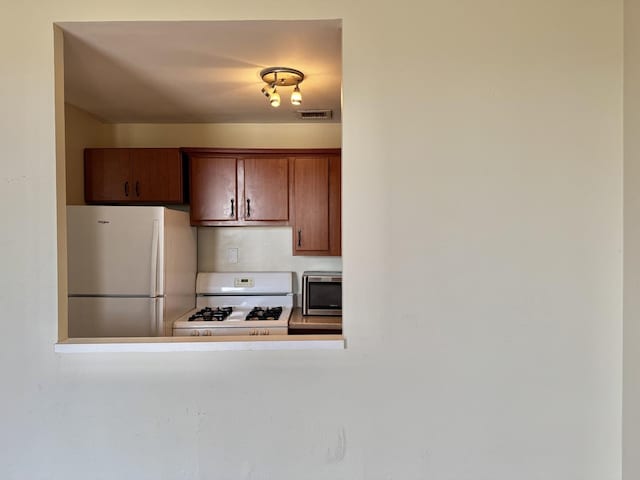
154 259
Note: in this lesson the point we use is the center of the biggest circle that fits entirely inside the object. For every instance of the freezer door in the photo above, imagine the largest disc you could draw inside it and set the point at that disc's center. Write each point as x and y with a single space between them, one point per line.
115 250
115 317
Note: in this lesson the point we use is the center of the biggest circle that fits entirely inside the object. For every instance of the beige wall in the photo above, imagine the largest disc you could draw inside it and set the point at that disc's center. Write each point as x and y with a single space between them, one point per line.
631 411
491 199
82 130
311 135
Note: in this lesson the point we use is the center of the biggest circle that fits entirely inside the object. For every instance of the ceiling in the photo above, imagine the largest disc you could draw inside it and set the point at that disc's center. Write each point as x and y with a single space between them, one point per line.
199 72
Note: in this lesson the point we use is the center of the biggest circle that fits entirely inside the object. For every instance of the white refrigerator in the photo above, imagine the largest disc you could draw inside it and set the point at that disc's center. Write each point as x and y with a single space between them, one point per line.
131 270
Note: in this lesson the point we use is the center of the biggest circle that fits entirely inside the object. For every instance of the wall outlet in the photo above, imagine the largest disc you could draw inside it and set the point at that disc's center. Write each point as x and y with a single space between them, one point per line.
232 255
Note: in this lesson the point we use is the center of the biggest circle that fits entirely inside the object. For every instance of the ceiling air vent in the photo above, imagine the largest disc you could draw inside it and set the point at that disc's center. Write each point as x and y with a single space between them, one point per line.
314 114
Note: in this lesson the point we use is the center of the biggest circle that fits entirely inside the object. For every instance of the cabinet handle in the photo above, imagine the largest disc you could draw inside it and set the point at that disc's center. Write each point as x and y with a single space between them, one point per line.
126 189
299 238
248 208
231 208
137 188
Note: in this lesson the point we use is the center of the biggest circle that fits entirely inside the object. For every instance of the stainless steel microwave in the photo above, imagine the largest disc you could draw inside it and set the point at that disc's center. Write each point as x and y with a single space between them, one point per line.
322 293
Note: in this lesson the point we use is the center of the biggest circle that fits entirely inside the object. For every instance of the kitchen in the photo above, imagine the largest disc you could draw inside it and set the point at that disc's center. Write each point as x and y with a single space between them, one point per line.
88 53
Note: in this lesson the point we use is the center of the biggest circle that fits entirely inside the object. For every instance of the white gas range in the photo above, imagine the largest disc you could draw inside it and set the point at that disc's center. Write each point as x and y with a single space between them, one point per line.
239 303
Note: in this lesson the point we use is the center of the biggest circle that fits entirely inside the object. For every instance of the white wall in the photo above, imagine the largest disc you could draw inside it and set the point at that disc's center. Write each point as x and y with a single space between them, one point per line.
491 198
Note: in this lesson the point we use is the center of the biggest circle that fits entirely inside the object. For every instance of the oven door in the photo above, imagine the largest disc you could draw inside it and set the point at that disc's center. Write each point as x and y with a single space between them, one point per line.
322 295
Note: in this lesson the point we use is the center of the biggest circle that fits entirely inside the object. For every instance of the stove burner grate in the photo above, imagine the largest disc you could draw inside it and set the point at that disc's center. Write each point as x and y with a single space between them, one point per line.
208 314
264 313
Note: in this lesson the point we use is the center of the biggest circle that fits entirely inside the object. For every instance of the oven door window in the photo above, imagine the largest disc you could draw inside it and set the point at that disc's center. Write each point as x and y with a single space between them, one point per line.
325 295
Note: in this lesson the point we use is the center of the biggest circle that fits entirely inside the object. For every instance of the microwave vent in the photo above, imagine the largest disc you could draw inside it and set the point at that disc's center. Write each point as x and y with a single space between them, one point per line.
314 114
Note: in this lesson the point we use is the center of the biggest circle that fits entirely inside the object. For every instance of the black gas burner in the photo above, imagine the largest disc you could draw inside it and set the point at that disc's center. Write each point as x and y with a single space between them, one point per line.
264 313
208 314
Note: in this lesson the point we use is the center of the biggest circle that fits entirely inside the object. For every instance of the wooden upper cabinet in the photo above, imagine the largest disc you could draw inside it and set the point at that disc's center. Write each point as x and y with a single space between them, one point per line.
107 175
266 189
214 197
299 187
238 189
316 203
157 174
133 175
311 194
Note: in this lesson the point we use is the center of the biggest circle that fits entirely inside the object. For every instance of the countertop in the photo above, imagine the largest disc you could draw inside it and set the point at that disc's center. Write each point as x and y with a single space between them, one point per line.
201 344
313 322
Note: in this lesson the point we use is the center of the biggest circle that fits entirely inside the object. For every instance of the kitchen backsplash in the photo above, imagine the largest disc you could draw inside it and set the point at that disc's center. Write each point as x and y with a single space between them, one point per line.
259 249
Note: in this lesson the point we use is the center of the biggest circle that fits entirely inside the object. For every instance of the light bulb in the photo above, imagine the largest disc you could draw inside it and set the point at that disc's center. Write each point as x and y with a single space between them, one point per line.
275 99
296 96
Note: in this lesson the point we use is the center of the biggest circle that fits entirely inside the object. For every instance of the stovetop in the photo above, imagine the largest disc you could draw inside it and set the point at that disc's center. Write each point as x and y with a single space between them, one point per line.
235 316
220 314
230 301
208 314
264 313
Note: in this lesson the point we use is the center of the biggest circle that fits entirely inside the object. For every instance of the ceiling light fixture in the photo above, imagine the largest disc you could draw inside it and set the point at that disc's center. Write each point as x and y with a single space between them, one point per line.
296 96
276 77
267 90
275 98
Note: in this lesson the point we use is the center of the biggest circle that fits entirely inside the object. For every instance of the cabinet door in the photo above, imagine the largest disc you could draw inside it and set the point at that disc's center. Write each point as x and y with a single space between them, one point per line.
107 176
266 189
311 196
317 205
157 175
213 189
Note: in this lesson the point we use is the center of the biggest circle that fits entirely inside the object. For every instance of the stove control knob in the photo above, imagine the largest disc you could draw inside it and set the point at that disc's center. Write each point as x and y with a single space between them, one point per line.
207 333
195 333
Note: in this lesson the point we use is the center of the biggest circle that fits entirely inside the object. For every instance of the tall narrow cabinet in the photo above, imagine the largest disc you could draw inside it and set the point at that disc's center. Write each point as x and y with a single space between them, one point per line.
316 200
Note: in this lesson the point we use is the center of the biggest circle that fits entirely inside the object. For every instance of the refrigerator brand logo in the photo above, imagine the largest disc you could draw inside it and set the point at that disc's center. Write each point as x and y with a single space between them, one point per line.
104 221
